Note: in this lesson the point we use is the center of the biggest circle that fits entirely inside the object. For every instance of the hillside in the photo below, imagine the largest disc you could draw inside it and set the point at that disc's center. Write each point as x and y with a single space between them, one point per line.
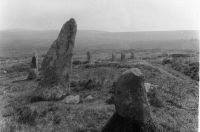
12 42
174 104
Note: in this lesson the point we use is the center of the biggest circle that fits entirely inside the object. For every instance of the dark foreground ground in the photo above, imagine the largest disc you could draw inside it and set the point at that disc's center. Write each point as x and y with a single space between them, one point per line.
174 106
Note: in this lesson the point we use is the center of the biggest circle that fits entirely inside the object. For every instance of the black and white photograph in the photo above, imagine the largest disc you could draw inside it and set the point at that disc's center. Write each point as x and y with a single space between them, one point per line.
99 65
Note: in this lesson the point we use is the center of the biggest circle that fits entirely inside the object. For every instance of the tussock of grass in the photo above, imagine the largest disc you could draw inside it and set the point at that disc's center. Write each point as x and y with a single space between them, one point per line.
21 67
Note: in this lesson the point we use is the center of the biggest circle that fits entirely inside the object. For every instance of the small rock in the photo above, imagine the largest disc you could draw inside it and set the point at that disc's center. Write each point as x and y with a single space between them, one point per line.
71 99
76 67
4 92
77 62
5 72
33 74
149 86
91 84
89 97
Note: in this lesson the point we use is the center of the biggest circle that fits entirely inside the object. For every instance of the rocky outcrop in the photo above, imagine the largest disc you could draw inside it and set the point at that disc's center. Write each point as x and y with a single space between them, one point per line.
57 63
133 113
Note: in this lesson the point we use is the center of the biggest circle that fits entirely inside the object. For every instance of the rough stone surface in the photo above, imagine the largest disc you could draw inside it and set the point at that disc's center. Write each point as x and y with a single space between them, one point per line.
123 56
89 57
57 64
130 96
132 108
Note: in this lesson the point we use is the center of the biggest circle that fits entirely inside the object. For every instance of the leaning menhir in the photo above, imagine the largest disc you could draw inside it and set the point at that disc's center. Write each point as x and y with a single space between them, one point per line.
133 112
56 66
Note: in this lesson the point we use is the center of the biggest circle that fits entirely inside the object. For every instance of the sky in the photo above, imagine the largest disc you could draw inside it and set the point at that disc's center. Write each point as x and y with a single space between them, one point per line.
106 15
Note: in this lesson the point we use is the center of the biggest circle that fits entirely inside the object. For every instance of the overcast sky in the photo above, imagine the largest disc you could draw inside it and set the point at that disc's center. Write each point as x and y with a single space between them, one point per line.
107 15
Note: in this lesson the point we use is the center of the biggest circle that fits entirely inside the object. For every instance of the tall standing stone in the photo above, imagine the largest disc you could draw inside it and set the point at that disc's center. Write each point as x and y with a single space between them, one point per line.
113 57
132 55
33 72
123 56
89 57
133 112
56 66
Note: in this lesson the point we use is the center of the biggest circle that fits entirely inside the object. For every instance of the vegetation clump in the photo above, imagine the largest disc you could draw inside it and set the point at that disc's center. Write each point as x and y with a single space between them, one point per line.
190 69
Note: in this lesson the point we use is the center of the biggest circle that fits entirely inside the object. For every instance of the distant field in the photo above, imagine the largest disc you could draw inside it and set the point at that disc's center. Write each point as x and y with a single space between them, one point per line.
24 42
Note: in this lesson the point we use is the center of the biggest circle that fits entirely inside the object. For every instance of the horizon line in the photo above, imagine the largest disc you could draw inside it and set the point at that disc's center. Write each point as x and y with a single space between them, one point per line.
25 29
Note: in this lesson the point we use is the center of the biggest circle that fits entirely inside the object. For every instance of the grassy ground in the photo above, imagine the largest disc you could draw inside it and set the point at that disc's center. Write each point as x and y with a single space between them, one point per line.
179 95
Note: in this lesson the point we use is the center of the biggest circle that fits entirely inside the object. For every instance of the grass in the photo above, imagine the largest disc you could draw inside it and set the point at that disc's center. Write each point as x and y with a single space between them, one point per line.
174 103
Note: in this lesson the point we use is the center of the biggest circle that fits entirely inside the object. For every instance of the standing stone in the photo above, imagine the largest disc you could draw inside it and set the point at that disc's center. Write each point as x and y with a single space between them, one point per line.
34 61
113 57
89 57
33 72
133 112
123 56
57 64
132 55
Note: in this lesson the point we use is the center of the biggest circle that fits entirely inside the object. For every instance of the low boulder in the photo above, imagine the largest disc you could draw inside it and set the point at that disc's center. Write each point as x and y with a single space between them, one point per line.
71 99
149 86
89 97
33 74
133 113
